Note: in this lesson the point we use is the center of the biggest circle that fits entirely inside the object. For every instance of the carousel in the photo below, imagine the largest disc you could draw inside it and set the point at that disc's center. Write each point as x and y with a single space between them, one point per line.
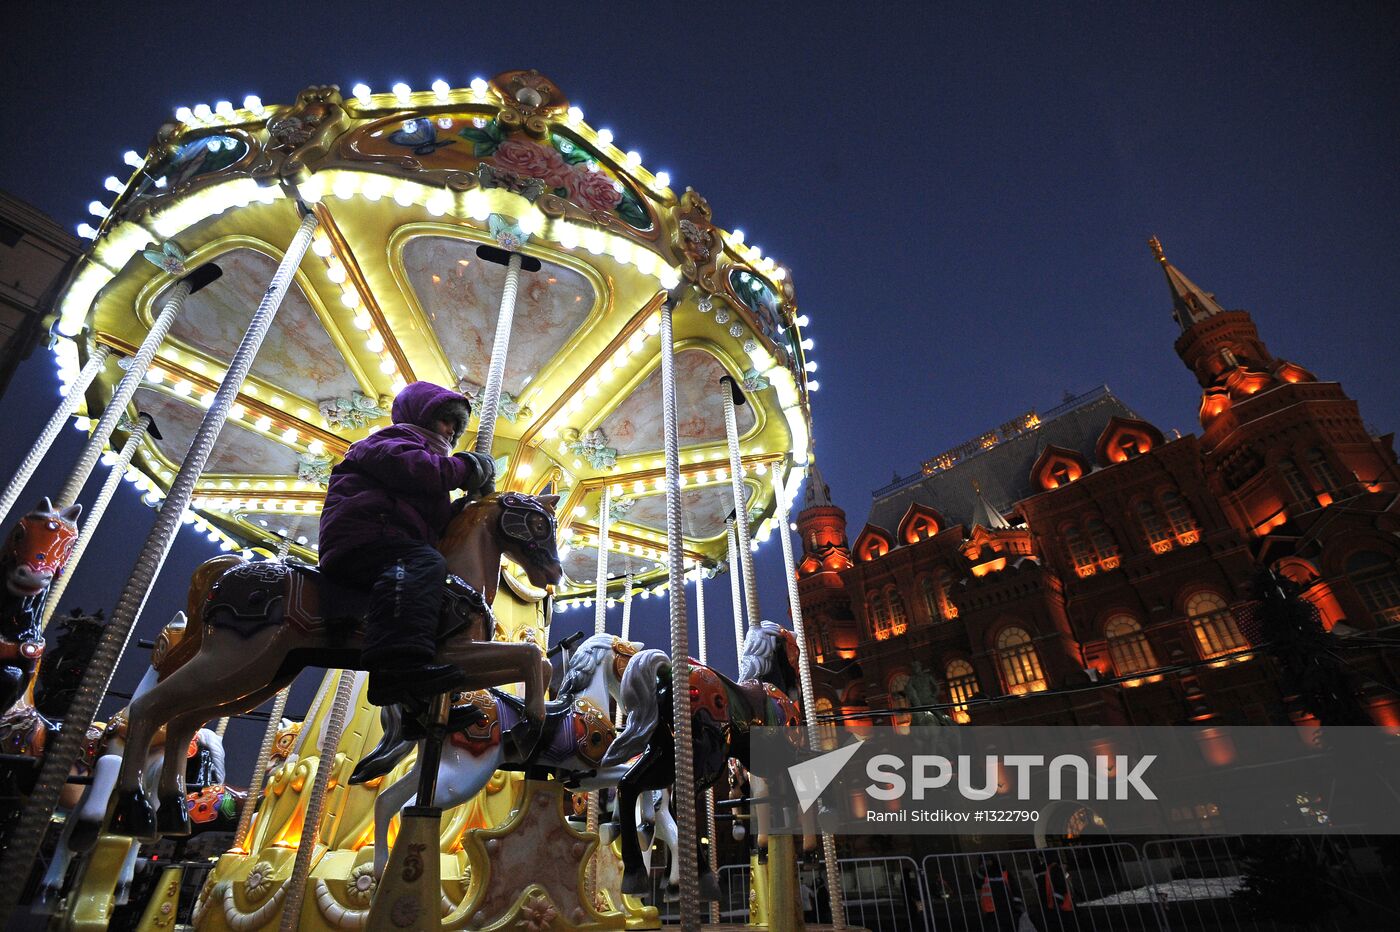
265 281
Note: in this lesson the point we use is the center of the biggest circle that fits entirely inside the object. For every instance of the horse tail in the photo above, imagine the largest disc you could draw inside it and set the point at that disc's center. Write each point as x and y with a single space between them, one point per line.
638 698
209 740
391 748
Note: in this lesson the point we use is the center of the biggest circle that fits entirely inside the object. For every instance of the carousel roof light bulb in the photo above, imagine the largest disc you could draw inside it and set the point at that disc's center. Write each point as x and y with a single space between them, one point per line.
336 273
811 365
289 436
440 88
402 92
663 179
350 299
374 342
114 184
184 115
322 246
344 187
224 108
361 92
605 137
813 386
263 423
634 158
808 344
387 366
87 231
439 203
254 103
362 322
97 209
398 384
133 158
802 320
479 86
182 388
404 196
237 411
202 112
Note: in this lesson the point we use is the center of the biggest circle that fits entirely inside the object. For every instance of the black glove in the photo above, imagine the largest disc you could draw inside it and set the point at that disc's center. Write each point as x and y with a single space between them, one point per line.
481 472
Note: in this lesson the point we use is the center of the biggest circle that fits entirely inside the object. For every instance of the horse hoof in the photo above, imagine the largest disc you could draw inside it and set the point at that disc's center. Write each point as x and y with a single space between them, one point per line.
709 887
172 818
134 816
634 883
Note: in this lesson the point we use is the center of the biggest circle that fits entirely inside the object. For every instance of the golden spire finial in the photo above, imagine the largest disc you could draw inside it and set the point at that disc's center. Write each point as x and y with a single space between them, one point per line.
1156 245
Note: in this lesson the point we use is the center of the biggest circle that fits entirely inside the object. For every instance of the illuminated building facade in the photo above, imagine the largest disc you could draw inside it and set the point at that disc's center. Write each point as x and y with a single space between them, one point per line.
1078 566
35 255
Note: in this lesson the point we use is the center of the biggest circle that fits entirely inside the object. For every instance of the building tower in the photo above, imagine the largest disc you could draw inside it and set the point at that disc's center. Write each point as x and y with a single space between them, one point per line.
831 627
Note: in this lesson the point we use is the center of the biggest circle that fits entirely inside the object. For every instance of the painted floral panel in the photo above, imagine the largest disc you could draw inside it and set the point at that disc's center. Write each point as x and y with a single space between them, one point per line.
461 142
297 355
635 425
238 450
461 293
703 510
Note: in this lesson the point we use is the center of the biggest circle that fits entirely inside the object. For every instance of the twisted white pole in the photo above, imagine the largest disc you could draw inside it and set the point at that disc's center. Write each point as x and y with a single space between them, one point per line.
711 847
259 775
741 509
311 822
626 635
809 702
736 587
46 437
600 625
24 842
495 374
122 395
680 643
94 517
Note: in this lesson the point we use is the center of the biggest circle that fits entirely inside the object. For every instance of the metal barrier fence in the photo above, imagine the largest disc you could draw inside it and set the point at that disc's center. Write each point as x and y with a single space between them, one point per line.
1321 883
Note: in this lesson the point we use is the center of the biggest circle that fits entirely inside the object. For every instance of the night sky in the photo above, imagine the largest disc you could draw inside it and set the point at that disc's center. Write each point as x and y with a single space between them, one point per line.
963 198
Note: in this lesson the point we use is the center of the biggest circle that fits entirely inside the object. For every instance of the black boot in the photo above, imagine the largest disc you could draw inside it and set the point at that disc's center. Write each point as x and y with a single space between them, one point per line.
389 685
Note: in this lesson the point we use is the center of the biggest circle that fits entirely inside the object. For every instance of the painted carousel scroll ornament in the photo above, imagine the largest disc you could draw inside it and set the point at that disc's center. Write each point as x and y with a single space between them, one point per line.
314 467
303 134
529 101
619 509
355 412
697 241
592 446
509 406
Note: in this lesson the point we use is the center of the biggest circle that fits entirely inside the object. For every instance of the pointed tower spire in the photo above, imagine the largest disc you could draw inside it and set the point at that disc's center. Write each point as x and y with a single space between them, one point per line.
818 493
1190 302
984 513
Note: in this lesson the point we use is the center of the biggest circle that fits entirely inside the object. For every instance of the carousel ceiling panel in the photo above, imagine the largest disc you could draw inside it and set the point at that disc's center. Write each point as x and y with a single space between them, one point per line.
704 510
635 425
237 450
460 293
581 565
297 355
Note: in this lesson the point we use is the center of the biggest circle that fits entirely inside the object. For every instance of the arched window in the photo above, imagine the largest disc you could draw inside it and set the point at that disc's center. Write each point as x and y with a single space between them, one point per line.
879 617
1020 665
1154 527
826 727
1323 471
1105 547
1179 516
962 686
1216 630
899 619
899 700
1298 490
1128 646
1377 581
946 608
1079 552
929 590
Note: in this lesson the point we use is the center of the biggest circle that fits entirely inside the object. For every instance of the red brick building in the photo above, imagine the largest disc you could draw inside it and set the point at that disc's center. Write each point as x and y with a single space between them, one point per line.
1079 566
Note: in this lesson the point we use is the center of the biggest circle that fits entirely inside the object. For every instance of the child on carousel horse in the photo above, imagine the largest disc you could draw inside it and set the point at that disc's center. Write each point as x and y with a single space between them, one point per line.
387 504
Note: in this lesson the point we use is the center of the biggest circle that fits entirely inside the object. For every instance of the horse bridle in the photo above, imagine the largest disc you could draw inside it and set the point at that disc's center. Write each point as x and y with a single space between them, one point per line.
516 511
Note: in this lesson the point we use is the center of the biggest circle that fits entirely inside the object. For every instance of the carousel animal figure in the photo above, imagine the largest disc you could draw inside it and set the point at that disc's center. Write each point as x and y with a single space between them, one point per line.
653 822
204 768
32 557
723 712
576 733
254 626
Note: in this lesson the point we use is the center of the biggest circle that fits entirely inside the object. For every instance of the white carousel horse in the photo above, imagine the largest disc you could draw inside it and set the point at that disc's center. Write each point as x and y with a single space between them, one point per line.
577 732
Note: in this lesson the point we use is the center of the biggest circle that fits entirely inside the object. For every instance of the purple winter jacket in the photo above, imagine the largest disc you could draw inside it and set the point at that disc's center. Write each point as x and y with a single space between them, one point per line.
393 484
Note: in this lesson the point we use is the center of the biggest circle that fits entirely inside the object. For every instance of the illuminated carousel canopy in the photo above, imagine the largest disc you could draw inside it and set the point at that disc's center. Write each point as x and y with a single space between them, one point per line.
415 191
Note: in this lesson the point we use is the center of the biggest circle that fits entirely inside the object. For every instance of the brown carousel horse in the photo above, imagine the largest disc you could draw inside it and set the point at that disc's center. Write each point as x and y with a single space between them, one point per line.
255 626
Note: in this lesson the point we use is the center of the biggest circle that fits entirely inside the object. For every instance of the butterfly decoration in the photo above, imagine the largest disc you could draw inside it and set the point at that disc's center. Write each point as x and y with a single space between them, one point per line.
421 136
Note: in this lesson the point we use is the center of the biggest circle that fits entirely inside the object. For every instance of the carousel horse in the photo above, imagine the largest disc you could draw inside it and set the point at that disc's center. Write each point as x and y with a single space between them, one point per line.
32 557
722 714
204 769
576 733
257 625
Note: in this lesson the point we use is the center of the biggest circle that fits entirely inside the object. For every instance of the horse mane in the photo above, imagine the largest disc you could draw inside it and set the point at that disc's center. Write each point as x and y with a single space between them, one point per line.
761 645
209 740
583 664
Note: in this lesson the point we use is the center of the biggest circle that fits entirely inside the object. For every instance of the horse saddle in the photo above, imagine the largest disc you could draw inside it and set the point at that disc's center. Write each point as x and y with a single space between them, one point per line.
321 606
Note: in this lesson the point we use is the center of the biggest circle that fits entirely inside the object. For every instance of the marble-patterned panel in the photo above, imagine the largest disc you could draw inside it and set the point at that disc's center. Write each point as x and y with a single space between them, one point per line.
297 355
703 510
238 450
461 295
581 565
635 425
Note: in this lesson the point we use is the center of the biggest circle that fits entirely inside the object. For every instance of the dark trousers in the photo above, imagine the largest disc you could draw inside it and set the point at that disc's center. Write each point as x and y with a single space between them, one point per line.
405 580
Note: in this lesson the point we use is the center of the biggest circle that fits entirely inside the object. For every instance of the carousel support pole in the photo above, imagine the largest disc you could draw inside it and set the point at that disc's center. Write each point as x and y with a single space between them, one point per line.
259 775
46 437
495 374
711 846
600 625
29 832
734 396
143 426
809 703
626 634
736 589
680 642
315 804
126 388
